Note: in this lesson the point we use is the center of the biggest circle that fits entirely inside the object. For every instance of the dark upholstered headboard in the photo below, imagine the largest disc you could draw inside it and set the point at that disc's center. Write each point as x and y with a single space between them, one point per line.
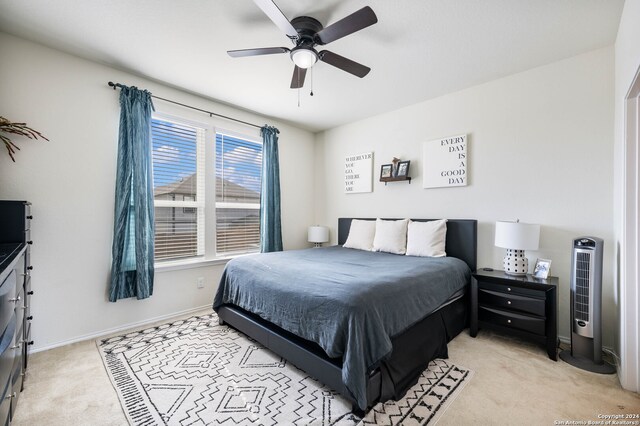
462 237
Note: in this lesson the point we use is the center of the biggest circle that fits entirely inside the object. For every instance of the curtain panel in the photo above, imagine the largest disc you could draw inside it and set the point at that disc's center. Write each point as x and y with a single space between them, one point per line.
270 226
133 235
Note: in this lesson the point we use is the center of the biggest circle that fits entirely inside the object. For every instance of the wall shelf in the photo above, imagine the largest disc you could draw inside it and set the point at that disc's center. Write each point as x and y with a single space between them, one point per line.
395 179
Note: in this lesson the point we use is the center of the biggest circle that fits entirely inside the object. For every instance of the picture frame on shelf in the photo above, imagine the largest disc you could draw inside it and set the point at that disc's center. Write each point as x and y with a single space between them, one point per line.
541 270
386 171
403 169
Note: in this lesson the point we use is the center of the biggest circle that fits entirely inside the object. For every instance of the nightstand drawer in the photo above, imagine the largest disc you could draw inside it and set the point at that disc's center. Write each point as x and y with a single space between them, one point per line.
512 320
511 301
507 289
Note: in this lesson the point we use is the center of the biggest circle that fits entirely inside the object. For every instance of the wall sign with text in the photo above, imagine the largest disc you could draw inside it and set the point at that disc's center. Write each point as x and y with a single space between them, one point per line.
445 162
358 173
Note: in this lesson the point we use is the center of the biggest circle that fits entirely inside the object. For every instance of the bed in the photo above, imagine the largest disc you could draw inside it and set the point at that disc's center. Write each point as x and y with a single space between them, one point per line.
368 325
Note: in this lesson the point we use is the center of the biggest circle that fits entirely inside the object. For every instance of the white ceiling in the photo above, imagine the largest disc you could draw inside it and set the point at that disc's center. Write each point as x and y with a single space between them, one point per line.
418 50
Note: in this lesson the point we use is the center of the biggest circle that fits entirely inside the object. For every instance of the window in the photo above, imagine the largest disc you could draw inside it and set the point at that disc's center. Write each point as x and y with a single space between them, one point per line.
189 210
178 189
184 169
238 166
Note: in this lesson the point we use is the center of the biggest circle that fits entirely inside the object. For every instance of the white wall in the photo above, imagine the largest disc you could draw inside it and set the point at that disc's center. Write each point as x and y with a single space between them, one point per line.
70 181
540 144
541 150
627 63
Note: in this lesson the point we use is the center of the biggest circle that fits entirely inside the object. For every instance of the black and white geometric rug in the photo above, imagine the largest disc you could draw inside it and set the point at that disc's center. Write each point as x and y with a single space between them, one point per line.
196 372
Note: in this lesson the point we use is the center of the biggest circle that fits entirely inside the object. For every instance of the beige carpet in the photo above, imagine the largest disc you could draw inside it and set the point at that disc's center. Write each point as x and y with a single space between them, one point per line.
514 383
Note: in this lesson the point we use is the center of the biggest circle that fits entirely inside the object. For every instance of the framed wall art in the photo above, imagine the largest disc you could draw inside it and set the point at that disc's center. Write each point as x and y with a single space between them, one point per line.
358 173
445 162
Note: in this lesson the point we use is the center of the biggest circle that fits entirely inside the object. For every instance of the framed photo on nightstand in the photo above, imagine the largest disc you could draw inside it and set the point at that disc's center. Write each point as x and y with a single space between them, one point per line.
541 270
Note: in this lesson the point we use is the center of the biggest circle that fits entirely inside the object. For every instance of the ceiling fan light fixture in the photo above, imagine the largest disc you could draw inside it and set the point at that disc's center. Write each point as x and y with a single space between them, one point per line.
306 33
304 57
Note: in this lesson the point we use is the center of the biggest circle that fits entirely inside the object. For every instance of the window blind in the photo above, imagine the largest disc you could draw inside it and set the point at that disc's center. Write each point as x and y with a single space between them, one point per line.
178 179
238 179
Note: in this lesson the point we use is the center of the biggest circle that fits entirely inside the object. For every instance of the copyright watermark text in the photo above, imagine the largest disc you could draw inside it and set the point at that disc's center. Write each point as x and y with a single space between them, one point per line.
604 420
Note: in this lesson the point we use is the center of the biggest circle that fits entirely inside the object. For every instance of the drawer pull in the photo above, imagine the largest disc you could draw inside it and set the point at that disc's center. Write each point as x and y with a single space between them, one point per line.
30 293
30 342
11 396
30 317
508 321
24 307
29 242
508 288
18 345
508 302
30 268
30 217
25 275
15 299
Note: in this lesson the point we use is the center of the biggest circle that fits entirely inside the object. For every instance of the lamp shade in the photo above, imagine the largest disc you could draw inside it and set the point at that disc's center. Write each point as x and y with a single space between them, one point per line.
318 234
517 235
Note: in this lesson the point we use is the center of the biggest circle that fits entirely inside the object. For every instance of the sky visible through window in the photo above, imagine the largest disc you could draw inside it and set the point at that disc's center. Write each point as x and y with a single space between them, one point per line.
175 151
238 161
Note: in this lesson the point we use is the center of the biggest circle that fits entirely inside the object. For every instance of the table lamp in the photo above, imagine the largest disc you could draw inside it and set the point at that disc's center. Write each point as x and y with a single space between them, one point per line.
317 235
517 237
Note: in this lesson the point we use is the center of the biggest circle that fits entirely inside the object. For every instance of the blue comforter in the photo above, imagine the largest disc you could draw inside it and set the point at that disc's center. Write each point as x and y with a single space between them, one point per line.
350 302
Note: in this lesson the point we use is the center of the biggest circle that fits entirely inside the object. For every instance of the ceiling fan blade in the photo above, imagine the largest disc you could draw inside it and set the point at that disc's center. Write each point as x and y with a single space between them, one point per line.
297 81
275 14
255 52
349 25
343 63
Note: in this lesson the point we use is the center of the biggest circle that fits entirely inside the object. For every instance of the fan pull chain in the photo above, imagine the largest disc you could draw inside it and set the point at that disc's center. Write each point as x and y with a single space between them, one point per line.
311 82
298 97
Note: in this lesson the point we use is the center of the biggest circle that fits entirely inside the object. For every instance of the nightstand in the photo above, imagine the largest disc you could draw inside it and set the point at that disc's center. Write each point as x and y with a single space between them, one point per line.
524 306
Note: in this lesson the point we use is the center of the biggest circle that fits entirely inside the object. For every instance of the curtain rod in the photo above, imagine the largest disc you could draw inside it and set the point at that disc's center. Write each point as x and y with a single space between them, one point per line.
116 85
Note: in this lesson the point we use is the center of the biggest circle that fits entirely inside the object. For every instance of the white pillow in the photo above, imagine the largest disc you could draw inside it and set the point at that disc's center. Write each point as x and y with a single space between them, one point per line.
391 236
427 239
361 235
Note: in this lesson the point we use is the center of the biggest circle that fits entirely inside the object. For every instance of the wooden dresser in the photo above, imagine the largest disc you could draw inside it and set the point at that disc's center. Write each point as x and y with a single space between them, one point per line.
15 295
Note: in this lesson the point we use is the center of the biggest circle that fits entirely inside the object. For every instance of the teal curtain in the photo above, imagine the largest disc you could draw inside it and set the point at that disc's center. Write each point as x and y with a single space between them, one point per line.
270 227
133 239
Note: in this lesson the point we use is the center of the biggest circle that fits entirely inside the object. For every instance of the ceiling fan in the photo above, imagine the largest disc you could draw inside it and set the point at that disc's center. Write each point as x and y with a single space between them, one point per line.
307 33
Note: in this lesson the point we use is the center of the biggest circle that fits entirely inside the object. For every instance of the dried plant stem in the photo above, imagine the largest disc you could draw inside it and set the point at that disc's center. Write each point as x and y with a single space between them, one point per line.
20 129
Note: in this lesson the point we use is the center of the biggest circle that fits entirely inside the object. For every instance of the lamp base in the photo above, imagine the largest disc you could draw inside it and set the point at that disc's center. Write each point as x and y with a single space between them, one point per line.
515 263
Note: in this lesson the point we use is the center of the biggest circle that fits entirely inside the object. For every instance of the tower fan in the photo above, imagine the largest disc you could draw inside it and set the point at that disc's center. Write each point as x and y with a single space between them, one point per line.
586 307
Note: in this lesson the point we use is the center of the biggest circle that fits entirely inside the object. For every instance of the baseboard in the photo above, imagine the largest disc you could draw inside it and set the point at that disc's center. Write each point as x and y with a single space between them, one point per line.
118 329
